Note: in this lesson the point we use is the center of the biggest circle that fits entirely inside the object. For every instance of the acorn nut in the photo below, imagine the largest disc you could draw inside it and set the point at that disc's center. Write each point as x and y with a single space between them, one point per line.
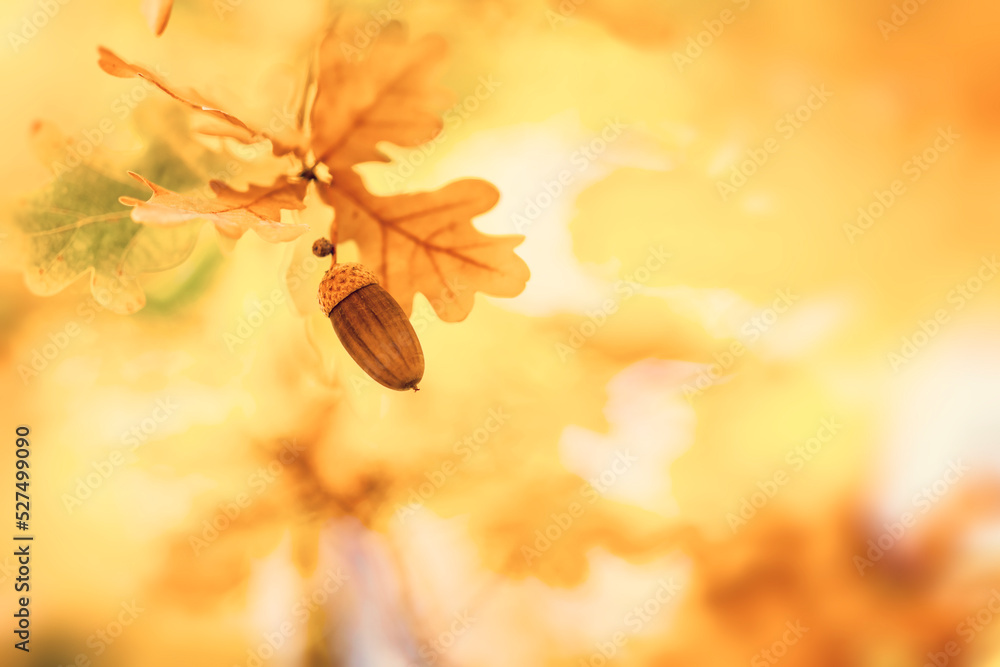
372 327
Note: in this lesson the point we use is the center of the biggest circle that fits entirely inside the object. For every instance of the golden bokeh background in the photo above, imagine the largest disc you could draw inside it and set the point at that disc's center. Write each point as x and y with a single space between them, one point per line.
747 410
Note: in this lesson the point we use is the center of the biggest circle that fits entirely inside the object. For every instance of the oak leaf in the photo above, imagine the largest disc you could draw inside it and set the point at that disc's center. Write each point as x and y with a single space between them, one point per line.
233 212
75 226
425 242
386 93
116 66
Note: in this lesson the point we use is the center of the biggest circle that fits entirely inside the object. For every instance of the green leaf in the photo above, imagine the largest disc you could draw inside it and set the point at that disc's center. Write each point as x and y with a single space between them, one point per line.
76 225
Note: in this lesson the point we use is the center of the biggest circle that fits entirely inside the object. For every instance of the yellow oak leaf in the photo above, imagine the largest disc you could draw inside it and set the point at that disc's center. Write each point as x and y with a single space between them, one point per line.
425 242
116 66
233 212
386 92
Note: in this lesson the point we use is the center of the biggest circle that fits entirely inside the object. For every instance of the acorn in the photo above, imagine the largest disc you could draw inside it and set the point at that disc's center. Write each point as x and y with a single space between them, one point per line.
372 327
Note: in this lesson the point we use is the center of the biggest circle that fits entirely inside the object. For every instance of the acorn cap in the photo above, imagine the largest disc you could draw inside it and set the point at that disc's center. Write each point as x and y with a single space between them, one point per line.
341 280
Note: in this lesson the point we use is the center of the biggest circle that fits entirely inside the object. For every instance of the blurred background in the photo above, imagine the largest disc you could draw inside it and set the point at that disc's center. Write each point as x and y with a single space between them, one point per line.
746 411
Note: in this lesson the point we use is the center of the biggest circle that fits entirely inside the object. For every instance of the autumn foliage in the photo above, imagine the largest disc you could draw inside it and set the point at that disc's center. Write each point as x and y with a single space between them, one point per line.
742 410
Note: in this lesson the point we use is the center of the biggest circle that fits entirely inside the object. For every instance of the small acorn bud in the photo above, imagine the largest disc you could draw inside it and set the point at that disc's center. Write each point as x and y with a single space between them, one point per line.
322 248
372 327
